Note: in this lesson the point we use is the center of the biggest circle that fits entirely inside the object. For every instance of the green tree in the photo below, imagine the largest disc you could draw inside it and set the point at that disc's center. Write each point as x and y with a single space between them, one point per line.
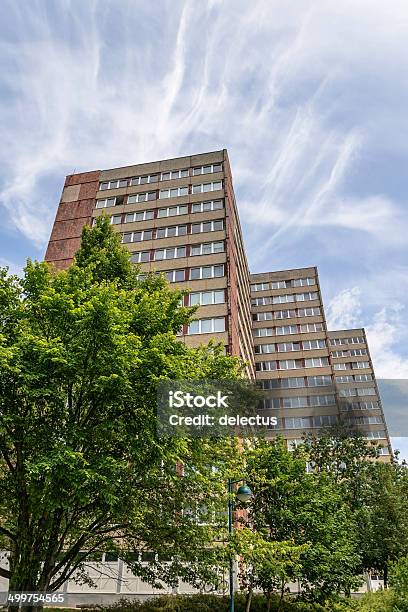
81 466
305 509
376 494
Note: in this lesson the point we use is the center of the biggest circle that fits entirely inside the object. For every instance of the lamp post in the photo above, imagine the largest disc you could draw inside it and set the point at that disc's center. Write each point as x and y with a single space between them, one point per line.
243 494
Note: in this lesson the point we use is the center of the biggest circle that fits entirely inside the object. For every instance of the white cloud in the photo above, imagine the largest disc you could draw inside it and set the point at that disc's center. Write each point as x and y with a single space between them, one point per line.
265 79
344 310
385 331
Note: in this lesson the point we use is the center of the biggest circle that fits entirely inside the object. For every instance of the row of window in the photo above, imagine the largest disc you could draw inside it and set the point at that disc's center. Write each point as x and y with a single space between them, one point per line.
329 420
325 420
171 211
284 284
352 340
351 392
352 365
354 378
283 347
287 314
150 196
162 176
207 248
350 353
176 192
284 330
187 274
207 326
297 382
291 364
284 299
173 231
304 401
350 406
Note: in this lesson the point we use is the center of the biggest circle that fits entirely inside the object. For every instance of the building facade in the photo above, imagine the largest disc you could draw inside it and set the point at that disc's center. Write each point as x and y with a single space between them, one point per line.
179 217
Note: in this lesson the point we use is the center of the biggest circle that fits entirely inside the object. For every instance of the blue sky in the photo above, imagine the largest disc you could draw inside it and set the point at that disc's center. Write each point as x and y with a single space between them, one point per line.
309 98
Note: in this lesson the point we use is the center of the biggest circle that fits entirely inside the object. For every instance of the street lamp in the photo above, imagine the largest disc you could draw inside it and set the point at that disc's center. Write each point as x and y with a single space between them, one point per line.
243 494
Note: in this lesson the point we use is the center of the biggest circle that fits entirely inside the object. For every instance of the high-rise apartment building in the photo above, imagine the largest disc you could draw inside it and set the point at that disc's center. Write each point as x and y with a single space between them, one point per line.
179 217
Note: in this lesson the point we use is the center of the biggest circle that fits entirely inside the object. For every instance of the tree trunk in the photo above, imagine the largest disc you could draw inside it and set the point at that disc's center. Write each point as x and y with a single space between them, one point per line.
268 601
282 592
386 576
248 600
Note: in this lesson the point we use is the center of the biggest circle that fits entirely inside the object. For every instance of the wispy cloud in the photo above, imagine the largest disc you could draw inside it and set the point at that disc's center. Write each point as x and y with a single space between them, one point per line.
307 97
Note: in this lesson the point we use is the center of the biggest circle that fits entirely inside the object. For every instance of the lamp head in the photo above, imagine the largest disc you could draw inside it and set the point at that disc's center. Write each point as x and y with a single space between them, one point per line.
244 493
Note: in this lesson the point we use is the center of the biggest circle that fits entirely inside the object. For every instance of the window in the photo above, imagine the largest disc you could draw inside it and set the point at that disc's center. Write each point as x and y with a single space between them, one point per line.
144 180
345 379
140 256
284 347
198 207
285 314
294 402
325 420
207 248
266 366
115 184
207 326
262 316
376 435
143 215
283 299
303 297
171 232
170 253
271 404
359 365
303 282
261 301
338 341
337 354
308 328
317 362
348 392
363 377
309 345
358 352
207 169
263 331
207 226
172 211
284 383
105 203
369 405
141 197
319 381
137 236
205 187
366 391
175 276
280 284
173 174
206 272
342 366
290 364
309 312
286 329
175 192
322 400
205 298
298 422
116 219
264 348
260 287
